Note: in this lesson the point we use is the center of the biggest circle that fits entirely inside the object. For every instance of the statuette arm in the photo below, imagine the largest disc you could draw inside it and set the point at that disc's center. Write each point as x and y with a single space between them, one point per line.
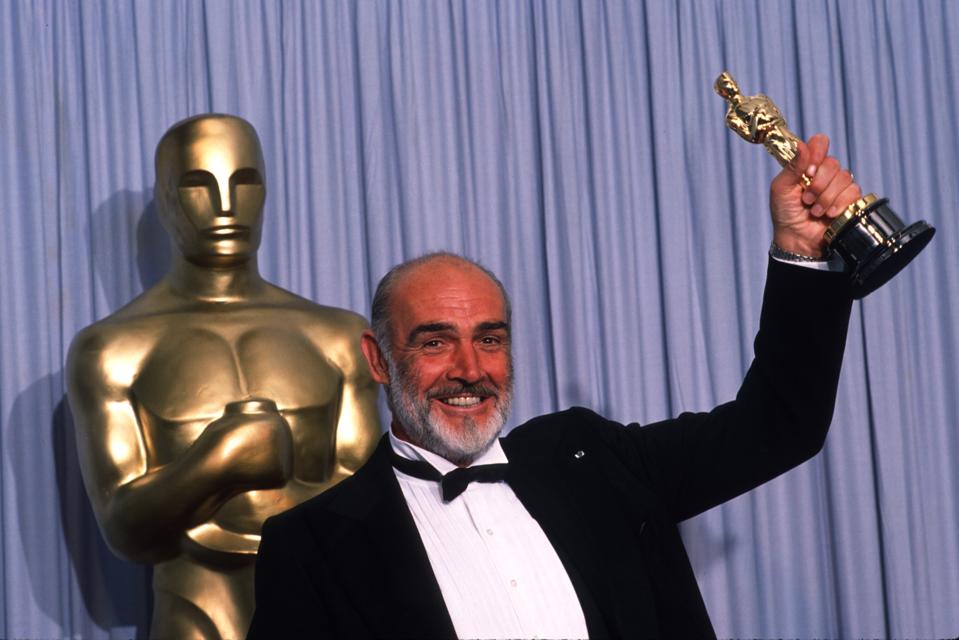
357 427
143 508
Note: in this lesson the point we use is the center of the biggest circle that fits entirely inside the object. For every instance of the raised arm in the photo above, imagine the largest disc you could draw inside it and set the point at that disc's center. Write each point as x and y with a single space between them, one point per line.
783 409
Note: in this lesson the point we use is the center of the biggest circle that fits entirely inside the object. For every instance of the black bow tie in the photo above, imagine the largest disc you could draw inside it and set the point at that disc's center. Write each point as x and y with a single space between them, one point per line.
454 482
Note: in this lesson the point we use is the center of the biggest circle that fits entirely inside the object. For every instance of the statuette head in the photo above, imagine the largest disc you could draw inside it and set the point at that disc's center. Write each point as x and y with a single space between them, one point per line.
726 87
210 188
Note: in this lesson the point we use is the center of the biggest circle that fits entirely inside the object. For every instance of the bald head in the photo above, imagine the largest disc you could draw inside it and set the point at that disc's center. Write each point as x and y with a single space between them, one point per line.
438 267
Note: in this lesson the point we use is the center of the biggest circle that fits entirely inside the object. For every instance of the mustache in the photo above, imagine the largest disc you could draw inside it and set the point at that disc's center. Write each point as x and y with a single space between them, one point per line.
463 389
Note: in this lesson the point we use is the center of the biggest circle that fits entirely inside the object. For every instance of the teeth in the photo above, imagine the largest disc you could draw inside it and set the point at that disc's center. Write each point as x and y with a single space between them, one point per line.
463 401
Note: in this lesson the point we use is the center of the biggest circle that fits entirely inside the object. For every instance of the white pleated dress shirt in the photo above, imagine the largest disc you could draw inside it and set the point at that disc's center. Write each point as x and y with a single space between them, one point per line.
499 574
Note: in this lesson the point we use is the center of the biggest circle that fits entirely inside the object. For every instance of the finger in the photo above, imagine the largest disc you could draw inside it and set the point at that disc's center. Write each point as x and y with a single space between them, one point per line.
812 154
799 165
818 148
808 156
827 170
845 198
801 161
837 185
791 176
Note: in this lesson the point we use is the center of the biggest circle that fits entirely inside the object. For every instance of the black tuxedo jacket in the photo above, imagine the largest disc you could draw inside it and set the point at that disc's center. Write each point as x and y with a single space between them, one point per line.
350 564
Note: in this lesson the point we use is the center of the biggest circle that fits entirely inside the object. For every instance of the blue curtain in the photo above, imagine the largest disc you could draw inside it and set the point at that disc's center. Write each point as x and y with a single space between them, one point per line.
578 150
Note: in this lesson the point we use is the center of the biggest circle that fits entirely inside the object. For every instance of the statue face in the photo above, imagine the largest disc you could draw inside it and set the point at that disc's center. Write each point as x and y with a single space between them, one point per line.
211 187
726 87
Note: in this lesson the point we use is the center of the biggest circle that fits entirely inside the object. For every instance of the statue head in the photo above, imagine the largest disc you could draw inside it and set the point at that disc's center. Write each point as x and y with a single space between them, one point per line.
727 87
210 188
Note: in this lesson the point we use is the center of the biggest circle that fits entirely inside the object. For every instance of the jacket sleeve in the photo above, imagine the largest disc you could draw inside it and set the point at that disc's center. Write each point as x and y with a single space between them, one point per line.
780 415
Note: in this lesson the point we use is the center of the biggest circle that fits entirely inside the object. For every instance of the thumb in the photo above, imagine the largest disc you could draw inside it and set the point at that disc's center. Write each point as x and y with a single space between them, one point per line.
791 175
810 156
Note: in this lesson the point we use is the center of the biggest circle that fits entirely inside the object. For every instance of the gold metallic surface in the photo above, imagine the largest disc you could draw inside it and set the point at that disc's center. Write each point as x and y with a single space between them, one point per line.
215 399
758 120
849 214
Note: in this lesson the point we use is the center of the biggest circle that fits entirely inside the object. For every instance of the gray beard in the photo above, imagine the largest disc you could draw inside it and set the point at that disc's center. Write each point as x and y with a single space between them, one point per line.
425 430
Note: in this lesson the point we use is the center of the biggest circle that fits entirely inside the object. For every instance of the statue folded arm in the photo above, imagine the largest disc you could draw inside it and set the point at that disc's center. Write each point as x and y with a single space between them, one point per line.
357 426
144 507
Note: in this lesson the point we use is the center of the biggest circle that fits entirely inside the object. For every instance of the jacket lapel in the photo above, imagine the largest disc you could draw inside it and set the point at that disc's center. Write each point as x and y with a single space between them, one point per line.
540 481
389 572
382 561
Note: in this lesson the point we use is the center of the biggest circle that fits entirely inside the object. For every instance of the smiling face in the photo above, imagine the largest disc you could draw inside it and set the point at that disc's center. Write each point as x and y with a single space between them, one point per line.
210 188
449 372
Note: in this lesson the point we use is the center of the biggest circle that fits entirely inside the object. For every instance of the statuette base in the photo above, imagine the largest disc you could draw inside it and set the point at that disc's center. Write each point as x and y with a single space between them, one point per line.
874 243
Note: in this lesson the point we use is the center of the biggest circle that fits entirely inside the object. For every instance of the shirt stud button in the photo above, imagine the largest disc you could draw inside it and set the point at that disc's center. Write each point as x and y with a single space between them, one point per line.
489 532
512 583
579 454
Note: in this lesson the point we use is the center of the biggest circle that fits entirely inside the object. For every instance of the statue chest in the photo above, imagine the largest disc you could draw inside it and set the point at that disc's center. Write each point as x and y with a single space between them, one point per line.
192 372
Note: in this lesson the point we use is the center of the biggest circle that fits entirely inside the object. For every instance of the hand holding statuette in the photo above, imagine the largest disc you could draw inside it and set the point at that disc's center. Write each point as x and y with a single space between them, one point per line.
870 238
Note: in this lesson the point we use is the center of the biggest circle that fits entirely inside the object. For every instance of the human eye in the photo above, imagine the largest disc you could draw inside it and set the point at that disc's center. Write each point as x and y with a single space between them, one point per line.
492 340
432 344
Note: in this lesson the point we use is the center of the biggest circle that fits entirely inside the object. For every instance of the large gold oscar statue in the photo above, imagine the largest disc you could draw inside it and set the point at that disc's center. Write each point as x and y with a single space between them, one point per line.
215 399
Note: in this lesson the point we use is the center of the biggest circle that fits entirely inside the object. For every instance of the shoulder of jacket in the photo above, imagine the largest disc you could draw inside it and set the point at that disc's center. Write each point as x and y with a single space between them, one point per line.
560 424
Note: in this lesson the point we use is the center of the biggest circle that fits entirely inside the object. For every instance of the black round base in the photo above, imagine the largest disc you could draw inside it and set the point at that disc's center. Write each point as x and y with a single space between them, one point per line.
877 245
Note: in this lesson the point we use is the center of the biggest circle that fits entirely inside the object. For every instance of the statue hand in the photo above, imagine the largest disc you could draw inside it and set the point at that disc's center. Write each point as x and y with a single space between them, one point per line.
802 215
255 449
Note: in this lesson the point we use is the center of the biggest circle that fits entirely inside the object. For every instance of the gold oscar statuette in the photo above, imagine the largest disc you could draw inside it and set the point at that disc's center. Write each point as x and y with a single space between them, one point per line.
869 237
215 399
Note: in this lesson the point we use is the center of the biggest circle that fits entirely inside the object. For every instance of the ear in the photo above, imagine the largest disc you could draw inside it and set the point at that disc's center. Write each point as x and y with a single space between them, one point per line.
374 357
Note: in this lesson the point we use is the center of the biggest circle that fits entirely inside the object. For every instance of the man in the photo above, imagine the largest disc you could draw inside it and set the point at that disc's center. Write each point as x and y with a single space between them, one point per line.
580 539
215 399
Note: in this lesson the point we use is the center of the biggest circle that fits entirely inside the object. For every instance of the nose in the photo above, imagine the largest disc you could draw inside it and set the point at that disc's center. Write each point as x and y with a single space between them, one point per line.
226 204
465 367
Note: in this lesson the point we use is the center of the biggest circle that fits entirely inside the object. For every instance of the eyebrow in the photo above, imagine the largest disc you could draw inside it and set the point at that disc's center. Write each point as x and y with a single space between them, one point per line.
493 326
434 327
430 327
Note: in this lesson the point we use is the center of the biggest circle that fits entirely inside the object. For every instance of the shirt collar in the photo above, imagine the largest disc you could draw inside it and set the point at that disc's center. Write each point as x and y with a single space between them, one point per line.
493 455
